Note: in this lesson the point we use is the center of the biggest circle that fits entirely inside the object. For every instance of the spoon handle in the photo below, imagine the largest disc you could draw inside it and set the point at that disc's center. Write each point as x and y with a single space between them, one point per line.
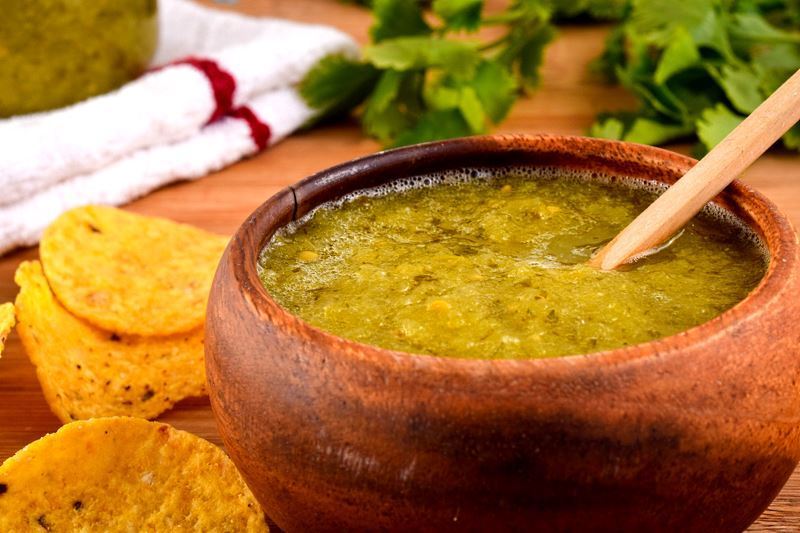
670 211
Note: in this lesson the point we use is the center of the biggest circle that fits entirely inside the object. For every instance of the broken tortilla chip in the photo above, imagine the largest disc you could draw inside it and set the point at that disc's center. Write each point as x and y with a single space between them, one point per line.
129 273
6 323
124 474
87 372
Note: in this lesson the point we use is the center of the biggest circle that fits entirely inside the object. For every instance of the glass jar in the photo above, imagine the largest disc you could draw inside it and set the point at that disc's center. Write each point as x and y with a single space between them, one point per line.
57 52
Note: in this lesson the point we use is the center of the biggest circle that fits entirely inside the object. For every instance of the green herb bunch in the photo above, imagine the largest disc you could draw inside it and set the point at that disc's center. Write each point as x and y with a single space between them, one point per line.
602 10
425 76
699 67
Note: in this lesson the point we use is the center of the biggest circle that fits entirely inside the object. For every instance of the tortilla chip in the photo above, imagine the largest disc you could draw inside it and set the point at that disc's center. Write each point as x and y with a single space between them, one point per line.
6 323
87 372
124 474
129 273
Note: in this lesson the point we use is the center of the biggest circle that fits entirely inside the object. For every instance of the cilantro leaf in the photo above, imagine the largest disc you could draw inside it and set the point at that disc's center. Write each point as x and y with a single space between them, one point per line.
659 98
394 106
740 84
472 110
442 96
386 90
608 128
642 130
523 45
715 123
395 18
596 9
754 27
433 126
681 53
337 83
459 14
482 100
649 131
532 53
655 21
408 53
496 88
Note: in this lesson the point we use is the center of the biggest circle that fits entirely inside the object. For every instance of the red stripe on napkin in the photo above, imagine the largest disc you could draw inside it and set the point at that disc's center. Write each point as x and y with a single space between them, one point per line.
223 84
259 131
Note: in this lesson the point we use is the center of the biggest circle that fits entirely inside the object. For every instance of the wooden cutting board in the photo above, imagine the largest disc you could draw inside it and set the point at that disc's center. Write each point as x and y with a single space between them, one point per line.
566 103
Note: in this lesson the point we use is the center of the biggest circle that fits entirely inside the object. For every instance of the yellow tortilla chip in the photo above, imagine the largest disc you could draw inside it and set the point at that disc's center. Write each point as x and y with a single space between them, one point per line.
6 323
129 273
87 372
124 474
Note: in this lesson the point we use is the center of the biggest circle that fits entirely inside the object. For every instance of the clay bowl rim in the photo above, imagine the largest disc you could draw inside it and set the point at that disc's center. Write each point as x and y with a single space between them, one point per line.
782 255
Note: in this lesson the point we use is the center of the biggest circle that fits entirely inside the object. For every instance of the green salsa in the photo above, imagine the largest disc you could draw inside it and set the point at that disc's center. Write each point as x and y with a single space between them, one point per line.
57 52
496 268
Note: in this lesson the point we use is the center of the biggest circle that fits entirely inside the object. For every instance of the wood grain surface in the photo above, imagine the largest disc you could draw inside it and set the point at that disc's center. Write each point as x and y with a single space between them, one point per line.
566 103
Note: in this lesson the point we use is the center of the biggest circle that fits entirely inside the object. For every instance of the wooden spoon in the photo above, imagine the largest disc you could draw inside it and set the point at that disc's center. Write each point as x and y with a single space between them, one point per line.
774 117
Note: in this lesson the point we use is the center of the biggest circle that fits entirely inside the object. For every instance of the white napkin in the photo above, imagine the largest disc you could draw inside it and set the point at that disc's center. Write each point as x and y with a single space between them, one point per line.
113 148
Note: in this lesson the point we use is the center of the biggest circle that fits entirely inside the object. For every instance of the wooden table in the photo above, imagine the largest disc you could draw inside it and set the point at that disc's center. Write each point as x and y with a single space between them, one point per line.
566 103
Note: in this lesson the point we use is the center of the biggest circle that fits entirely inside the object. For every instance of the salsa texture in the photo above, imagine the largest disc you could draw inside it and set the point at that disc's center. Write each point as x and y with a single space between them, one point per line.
57 52
496 269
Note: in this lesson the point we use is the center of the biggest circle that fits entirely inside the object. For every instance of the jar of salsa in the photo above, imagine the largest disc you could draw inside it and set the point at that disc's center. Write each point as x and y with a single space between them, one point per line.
57 52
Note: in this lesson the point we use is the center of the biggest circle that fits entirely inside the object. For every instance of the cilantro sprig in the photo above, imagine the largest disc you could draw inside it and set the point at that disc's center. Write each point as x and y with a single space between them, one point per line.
698 68
425 75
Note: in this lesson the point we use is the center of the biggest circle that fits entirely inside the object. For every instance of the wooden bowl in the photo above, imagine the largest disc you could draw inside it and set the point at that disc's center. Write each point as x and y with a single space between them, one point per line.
697 431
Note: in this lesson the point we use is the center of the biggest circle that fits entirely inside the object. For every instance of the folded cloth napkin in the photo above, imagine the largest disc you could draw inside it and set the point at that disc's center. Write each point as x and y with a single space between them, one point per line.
222 90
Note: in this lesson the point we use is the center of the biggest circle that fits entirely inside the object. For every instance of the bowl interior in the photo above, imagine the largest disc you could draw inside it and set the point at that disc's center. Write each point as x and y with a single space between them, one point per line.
594 158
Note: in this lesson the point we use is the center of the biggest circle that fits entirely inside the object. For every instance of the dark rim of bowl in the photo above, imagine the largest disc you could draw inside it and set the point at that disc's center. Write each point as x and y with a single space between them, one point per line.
744 202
